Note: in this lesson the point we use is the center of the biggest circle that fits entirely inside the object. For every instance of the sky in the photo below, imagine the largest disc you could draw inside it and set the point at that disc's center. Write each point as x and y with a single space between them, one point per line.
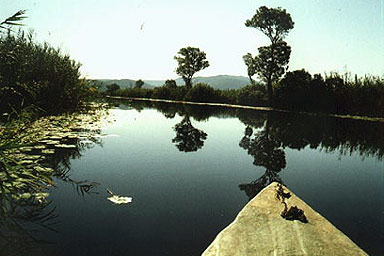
138 39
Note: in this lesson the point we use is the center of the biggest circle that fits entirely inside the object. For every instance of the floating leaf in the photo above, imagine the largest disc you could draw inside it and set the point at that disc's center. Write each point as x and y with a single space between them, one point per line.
120 199
25 195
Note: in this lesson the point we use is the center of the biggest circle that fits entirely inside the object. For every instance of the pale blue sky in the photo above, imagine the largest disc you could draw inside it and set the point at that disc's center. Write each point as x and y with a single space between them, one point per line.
138 38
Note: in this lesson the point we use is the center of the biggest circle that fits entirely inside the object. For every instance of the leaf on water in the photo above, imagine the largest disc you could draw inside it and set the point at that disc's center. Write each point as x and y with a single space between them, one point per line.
120 199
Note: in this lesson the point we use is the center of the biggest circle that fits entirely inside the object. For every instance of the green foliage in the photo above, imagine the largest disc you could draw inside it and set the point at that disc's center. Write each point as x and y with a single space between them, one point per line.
170 83
39 75
252 95
273 22
272 60
162 92
135 93
250 62
139 83
203 93
298 90
190 60
230 96
112 88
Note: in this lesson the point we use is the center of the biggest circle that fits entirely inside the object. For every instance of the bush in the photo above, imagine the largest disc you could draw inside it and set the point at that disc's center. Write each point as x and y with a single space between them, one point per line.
252 95
203 93
134 93
170 91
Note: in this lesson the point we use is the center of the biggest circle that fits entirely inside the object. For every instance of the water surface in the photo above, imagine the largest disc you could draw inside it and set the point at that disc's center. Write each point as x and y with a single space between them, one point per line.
191 169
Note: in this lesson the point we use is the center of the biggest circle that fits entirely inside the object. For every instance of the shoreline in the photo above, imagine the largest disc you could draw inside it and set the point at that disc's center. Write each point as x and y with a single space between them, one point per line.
227 105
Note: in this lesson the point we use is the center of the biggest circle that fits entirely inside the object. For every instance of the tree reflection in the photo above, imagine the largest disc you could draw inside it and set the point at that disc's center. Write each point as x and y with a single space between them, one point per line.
267 153
188 138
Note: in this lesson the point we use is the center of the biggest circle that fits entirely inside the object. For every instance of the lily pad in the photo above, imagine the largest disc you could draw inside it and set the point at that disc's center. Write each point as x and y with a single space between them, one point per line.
65 146
48 151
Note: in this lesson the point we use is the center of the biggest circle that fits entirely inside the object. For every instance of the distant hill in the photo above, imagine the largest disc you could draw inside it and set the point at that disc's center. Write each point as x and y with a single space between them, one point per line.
123 83
218 82
222 82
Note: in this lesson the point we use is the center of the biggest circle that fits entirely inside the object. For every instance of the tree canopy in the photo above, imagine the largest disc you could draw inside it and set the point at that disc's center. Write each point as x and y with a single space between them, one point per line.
112 88
272 61
273 22
139 83
190 60
249 61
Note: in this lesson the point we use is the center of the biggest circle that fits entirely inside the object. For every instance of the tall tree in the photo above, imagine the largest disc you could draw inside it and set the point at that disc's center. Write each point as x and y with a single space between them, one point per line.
111 88
139 83
190 60
249 61
170 83
275 23
271 62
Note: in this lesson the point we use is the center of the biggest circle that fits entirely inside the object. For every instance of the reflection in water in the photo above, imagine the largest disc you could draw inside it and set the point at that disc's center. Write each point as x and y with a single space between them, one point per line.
25 210
20 220
266 152
269 133
61 161
188 138
295 131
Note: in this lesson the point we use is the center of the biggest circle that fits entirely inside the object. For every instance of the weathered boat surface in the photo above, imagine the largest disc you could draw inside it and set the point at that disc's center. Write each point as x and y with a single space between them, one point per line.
259 229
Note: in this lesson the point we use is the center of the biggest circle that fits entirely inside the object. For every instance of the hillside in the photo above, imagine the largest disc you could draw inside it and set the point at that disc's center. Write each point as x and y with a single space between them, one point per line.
222 82
123 83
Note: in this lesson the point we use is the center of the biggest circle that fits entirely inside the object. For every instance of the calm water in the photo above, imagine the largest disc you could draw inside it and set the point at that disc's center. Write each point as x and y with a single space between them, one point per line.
190 170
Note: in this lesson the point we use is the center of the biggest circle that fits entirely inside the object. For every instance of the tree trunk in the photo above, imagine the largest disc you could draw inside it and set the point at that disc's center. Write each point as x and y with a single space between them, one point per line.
188 82
270 91
269 82
250 79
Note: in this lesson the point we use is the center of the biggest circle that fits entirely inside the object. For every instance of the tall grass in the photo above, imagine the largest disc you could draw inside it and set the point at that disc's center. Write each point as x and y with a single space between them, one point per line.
38 75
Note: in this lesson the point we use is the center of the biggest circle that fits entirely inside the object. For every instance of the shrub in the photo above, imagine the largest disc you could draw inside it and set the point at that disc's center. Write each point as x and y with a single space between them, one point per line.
252 95
202 92
135 93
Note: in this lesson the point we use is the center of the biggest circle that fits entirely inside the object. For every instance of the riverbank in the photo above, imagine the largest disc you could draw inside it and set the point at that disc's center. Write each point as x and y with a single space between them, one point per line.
366 118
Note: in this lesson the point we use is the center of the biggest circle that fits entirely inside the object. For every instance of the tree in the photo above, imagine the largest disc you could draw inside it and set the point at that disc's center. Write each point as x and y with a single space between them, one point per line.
271 63
251 67
275 23
170 83
112 88
190 61
139 83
